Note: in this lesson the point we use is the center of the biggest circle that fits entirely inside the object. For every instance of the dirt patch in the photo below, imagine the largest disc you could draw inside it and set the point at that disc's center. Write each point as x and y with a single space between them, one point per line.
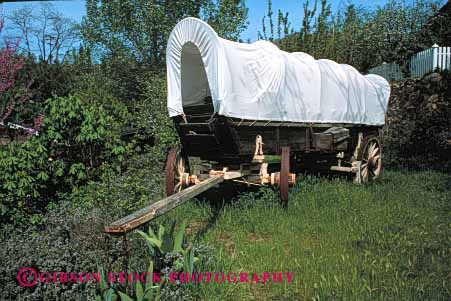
256 237
229 244
195 227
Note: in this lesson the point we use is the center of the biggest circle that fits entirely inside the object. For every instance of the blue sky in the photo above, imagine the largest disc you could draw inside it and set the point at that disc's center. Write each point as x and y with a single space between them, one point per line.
74 9
257 9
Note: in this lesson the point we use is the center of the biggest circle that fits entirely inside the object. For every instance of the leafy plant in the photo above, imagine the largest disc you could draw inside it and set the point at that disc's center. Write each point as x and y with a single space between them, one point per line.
107 292
66 239
149 292
167 248
164 242
75 139
153 116
189 259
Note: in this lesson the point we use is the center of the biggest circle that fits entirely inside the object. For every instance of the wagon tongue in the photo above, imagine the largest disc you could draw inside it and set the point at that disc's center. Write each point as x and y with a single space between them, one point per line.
144 215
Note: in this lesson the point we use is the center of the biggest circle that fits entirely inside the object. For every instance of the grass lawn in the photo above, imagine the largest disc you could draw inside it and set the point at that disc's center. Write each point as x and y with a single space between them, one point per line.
387 240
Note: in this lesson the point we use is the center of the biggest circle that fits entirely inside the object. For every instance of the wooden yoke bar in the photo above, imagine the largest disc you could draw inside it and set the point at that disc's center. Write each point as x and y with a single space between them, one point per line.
142 216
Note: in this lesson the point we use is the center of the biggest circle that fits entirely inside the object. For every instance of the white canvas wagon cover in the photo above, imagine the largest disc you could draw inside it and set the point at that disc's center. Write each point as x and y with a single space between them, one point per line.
258 81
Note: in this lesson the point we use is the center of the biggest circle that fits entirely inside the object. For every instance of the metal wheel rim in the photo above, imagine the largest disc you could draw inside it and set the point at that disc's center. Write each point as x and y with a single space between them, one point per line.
176 166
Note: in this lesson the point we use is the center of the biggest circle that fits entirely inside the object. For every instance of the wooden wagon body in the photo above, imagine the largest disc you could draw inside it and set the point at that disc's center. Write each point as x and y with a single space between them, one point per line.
228 140
240 148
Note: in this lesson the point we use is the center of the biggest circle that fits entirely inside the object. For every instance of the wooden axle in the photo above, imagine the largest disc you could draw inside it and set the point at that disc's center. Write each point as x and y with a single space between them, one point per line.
263 178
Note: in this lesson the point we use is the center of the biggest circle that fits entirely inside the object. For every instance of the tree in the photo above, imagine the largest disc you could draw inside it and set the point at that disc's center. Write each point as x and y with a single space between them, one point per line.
393 30
437 30
132 29
129 37
323 31
45 33
138 30
10 65
306 31
227 17
360 37
263 34
351 34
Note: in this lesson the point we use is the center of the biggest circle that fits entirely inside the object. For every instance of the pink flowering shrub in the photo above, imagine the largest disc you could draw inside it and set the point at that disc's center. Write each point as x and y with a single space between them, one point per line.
10 64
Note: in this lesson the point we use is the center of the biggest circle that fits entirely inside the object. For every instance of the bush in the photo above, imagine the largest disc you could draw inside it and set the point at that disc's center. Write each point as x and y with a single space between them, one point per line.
46 80
140 184
75 139
36 81
417 132
69 240
152 113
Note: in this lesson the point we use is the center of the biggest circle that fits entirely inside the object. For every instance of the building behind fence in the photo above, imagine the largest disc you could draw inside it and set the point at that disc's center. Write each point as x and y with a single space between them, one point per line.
435 58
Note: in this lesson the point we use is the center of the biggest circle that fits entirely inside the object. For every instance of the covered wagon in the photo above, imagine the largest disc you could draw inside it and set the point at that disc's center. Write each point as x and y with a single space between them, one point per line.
233 104
254 114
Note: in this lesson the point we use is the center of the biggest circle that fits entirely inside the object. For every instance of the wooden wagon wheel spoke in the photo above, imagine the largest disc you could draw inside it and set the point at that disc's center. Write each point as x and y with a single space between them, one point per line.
372 172
180 166
376 161
370 150
179 185
365 173
374 152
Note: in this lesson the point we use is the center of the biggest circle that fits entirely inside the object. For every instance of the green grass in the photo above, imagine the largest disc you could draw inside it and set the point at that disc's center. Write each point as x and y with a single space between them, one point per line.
387 240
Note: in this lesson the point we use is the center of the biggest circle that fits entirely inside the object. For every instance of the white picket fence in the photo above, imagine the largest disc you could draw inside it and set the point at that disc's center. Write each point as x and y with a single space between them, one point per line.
435 58
390 71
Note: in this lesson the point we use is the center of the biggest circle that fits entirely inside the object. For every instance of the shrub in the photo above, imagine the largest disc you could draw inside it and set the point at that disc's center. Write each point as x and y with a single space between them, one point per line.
127 190
75 139
70 239
153 114
417 133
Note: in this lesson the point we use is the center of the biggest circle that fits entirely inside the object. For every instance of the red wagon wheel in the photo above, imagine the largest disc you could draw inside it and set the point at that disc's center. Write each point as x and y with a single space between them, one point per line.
370 156
176 166
284 174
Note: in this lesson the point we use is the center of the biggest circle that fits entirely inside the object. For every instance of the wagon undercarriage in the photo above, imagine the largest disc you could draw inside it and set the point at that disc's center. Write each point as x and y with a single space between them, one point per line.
352 150
246 151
